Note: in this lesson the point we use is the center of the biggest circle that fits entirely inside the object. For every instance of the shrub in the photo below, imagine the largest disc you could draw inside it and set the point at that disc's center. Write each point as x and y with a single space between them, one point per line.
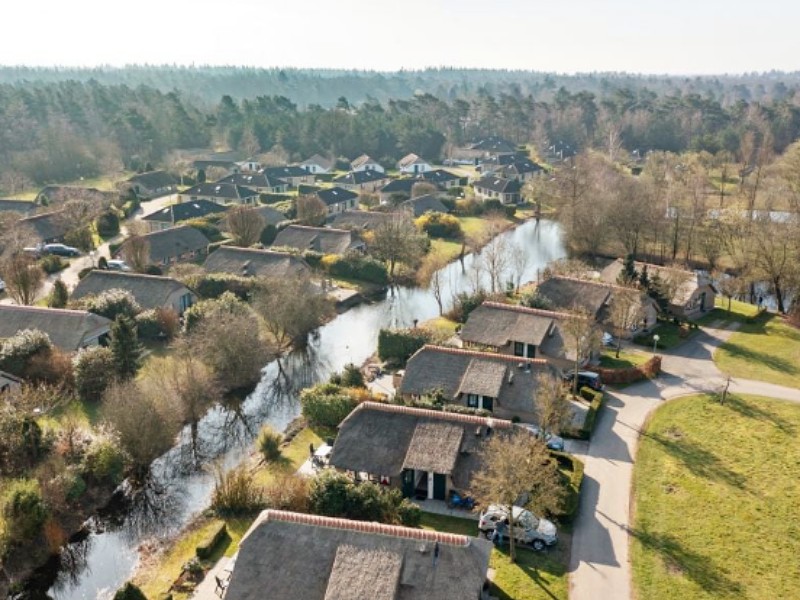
153 270
168 321
206 227
397 345
104 461
94 371
288 492
81 238
440 225
355 265
273 198
466 410
314 259
24 509
334 494
112 304
50 263
269 444
205 548
326 405
59 296
129 592
533 299
157 324
226 303
17 351
596 399
409 514
571 470
107 224
236 492
464 304
352 376
213 285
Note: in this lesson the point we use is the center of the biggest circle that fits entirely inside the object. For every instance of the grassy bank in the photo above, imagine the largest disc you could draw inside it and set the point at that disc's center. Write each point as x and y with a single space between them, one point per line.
535 575
716 500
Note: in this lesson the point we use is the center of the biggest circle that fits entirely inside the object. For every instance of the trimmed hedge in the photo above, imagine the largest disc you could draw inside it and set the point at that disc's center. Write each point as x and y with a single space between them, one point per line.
596 399
205 548
273 198
572 470
647 370
397 345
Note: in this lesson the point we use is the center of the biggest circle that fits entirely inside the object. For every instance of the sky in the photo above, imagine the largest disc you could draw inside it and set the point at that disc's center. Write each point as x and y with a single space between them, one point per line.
641 36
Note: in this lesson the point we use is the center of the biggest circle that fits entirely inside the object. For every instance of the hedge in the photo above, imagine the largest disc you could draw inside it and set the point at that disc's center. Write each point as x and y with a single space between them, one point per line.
213 285
647 370
596 399
273 198
572 469
304 189
205 548
355 265
396 346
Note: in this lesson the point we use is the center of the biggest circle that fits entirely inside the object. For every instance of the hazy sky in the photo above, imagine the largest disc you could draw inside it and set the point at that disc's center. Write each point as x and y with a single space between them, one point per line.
677 36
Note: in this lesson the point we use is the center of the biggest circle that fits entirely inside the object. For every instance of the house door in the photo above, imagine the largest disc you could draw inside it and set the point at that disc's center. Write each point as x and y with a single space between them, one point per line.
408 483
531 351
439 486
488 403
703 301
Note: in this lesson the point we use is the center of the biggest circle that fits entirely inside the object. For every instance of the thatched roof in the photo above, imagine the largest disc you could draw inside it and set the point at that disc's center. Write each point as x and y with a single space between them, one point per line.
360 573
422 204
173 242
68 329
150 291
288 556
384 439
360 219
511 380
684 282
567 293
319 239
434 447
496 324
154 179
47 226
251 262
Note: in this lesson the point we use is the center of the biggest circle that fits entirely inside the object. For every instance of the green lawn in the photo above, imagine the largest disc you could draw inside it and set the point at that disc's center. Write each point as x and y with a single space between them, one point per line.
766 348
739 311
535 575
627 358
716 497
669 336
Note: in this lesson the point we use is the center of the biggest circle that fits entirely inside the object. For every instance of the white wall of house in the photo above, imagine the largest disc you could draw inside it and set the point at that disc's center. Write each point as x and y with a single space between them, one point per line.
417 167
370 166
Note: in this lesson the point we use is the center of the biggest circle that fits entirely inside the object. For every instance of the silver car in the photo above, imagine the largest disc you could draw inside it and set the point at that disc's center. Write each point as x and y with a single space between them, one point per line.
528 528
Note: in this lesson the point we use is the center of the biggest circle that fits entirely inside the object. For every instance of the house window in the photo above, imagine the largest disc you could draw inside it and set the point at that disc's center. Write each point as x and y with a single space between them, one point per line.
472 400
519 349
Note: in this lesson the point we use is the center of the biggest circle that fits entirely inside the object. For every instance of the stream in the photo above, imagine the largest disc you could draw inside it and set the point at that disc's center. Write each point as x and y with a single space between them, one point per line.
182 482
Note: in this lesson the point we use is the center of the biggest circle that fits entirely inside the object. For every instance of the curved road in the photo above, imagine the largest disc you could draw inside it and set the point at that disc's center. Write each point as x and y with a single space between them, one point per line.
599 565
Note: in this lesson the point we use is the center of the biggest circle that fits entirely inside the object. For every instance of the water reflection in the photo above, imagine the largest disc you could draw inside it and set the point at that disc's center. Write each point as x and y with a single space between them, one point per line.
180 484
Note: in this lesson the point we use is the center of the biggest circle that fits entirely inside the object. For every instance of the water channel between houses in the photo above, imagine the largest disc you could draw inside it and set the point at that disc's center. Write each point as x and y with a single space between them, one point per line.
182 483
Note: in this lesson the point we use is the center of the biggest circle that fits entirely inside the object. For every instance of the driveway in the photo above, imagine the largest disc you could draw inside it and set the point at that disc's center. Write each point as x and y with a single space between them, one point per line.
599 565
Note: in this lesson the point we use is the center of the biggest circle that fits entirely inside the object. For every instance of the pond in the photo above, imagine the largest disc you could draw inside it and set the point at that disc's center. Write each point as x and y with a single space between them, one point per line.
182 480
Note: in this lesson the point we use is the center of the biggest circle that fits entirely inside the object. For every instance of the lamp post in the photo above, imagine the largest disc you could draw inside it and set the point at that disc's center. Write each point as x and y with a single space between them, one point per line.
655 342
92 254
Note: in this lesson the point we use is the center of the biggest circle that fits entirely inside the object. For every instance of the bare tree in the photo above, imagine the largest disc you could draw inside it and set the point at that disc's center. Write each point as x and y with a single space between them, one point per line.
513 466
245 224
136 252
553 410
311 210
23 278
518 260
582 337
627 310
423 188
397 240
432 274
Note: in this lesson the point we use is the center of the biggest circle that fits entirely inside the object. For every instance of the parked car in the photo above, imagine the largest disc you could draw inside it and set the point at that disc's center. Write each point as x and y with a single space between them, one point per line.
554 442
608 339
61 250
34 251
117 265
528 528
585 379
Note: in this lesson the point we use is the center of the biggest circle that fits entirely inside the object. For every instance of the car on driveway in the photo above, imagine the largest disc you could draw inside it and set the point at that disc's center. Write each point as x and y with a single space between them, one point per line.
585 379
117 265
528 528
61 250
554 442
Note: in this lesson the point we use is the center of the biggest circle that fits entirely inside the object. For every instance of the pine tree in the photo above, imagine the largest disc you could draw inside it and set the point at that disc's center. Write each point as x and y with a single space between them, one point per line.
125 347
644 279
59 296
628 274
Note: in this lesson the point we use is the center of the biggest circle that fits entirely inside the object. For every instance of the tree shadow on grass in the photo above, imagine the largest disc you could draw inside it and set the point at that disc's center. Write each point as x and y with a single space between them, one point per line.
770 361
533 565
701 462
696 567
752 411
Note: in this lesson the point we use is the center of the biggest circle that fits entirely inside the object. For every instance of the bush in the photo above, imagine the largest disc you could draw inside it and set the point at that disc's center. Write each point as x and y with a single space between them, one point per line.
326 405
205 548
104 461
352 376
466 410
206 227
81 238
24 509
59 297
107 224
571 470
314 259
464 304
94 372
273 198
226 303
129 592
50 263
153 270
533 299
287 492
396 346
213 285
236 492
334 494
355 265
157 324
269 444
17 351
409 513
596 399
112 304
440 225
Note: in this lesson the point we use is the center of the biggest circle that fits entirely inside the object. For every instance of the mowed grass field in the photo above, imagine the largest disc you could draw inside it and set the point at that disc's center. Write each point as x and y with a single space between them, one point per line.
716 501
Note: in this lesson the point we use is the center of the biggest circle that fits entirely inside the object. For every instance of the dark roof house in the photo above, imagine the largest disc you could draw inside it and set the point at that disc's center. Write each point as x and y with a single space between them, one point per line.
69 330
175 244
494 144
289 556
47 227
150 291
360 219
318 239
250 262
221 193
261 182
153 184
360 179
505 190
173 214
422 204
440 177
336 195
317 164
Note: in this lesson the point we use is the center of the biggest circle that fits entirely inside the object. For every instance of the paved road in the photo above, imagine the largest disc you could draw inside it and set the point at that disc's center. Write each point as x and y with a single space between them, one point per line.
599 565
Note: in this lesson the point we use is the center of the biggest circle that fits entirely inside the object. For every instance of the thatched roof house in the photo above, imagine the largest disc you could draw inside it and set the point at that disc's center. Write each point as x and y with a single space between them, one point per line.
318 239
250 262
68 329
568 293
175 244
150 291
285 556
423 452
361 219
505 385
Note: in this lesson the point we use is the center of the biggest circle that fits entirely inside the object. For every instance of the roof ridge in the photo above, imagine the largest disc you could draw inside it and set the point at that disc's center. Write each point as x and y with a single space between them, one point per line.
111 273
442 415
44 309
333 229
479 354
525 309
258 251
365 527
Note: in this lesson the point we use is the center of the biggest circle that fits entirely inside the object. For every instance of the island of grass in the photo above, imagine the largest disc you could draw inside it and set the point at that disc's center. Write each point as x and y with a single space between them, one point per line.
715 494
